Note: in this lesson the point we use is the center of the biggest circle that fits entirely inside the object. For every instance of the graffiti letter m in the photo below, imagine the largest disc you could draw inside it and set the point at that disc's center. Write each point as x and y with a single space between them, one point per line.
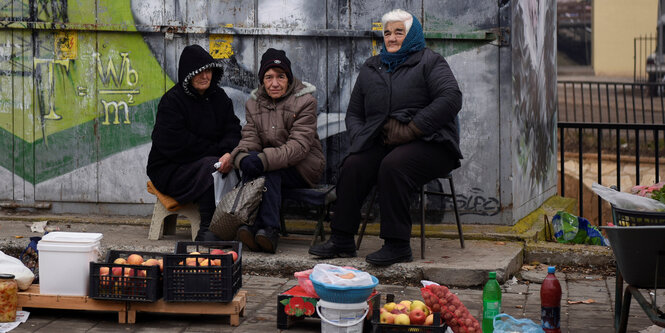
115 108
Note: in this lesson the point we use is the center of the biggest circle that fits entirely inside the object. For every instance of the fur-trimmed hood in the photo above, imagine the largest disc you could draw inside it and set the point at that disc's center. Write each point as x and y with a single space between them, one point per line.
298 88
194 60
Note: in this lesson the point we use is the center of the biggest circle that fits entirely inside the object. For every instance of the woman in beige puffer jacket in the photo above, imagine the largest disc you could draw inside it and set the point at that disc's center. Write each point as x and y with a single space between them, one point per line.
279 142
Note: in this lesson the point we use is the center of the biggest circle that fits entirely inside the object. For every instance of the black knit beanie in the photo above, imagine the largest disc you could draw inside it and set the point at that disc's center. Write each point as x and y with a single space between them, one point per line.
275 58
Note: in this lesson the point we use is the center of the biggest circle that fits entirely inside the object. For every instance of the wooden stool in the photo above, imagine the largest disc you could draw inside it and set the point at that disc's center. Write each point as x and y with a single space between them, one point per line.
164 221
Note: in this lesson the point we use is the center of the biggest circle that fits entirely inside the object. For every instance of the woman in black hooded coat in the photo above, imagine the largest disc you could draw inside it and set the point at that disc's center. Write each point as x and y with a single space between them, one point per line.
195 127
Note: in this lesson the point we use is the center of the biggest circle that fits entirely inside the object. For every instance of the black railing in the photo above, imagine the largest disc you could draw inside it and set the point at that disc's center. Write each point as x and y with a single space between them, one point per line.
609 119
643 46
598 129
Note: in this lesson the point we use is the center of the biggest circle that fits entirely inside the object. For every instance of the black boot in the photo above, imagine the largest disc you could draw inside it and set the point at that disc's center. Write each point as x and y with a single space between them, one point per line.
206 209
335 246
267 239
392 252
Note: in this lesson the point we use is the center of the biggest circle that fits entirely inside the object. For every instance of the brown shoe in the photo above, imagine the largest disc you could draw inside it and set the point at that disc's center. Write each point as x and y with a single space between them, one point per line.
246 236
267 239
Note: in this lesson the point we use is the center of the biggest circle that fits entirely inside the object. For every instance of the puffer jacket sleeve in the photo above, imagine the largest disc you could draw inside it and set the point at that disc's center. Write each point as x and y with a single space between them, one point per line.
250 136
355 113
446 95
172 137
300 139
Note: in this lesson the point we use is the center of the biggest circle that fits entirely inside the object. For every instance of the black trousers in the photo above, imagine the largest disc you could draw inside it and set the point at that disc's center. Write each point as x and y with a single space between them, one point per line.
397 171
268 214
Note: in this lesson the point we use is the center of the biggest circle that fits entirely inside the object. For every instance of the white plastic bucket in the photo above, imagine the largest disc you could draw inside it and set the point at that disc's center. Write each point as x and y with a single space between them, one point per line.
341 317
64 262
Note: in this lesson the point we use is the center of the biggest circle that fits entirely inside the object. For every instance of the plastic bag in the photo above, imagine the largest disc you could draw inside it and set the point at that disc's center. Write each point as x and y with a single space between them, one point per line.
22 274
571 229
627 200
30 256
340 276
224 183
511 325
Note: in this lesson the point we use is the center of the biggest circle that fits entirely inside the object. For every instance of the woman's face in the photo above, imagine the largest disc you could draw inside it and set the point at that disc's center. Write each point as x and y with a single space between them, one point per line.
276 82
393 36
201 81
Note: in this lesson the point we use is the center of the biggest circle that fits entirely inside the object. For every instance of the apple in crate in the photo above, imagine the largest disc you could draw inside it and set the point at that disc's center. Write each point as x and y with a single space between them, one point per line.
116 271
400 309
389 306
402 319
134 259
417 316
234 254
120 261
217 252
386 317
420 305
151 262
430 319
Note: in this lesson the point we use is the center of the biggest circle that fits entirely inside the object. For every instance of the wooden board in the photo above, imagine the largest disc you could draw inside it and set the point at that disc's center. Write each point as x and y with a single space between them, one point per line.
31 298
234 309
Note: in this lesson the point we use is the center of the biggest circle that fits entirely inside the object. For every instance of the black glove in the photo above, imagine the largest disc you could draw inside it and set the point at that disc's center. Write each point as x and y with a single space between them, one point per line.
251 166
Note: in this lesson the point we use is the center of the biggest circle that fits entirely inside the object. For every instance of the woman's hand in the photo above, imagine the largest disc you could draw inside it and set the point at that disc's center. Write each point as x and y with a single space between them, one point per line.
397 133
251 166
226 164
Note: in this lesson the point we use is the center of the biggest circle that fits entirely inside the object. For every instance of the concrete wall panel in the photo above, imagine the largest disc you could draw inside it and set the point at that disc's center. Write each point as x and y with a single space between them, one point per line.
79 99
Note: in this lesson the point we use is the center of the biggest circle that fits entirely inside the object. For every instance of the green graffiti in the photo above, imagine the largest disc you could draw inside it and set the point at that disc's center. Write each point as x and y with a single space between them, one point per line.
58 115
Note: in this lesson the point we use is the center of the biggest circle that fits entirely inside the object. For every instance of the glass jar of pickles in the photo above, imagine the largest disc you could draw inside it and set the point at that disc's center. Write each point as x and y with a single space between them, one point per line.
8 298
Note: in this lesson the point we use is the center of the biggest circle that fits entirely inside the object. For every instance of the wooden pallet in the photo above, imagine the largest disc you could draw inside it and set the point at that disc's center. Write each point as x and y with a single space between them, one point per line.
234 309
31 298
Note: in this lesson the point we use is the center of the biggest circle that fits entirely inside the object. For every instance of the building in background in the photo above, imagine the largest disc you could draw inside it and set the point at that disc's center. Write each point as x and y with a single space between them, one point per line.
616 25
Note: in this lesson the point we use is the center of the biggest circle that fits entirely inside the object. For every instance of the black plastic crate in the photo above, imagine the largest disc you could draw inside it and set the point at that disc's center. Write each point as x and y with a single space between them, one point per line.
377 326
626 217
125 282
195 280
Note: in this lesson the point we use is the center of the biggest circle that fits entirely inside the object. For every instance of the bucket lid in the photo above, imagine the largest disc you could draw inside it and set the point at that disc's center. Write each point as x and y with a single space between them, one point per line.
342 306
71 237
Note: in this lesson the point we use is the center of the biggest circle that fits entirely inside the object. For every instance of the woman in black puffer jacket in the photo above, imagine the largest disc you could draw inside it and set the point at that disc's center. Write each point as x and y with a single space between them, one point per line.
401 121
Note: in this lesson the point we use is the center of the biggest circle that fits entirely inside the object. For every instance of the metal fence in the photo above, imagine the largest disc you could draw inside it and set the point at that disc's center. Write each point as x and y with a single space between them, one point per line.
643 46
615 120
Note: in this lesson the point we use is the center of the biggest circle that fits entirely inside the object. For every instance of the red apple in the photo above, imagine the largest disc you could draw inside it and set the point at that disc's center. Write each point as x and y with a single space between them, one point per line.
400 308
120 261
417 316
217 252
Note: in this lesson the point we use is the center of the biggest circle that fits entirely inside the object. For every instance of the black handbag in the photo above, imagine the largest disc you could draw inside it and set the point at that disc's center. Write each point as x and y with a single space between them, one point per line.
237 207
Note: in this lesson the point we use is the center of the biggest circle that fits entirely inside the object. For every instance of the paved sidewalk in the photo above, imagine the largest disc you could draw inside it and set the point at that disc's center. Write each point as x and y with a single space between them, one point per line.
521 298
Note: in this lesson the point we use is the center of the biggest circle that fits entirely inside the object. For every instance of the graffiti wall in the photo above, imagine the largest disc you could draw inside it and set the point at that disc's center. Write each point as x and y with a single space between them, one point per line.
534 103
80 82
